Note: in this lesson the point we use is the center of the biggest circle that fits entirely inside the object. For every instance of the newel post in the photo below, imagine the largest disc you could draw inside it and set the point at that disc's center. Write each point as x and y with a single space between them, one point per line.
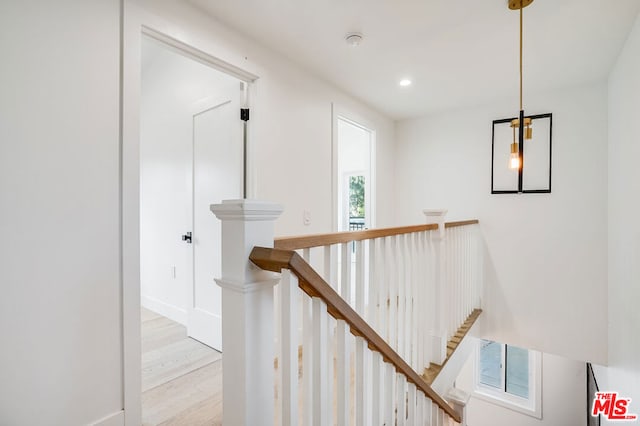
440 306
247 312
459 400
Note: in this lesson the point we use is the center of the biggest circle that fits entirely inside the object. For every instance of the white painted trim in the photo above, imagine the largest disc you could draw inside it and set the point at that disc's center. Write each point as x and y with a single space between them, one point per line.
247 210
199 55
135 22
115 419
245 288
165 309
338 112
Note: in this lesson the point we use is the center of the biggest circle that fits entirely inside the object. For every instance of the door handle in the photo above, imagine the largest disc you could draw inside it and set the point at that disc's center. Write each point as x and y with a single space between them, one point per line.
187 238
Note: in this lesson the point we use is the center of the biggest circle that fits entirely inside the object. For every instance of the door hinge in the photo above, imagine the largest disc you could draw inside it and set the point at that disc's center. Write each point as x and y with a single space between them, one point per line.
244 114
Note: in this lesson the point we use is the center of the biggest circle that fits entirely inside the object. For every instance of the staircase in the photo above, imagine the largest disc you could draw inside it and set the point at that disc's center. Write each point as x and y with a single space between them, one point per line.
431 373
354 315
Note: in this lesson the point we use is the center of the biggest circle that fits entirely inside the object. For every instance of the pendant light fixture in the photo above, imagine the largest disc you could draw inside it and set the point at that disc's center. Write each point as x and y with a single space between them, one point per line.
521 123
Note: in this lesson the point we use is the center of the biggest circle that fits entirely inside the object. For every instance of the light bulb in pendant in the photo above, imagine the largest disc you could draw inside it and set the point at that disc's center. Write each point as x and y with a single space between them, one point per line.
514 158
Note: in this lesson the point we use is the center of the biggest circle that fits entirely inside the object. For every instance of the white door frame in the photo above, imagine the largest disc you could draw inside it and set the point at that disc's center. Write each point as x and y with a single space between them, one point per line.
137 22
338 112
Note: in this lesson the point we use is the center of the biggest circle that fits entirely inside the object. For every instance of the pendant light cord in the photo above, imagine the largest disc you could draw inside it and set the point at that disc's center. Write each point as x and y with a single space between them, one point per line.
521 54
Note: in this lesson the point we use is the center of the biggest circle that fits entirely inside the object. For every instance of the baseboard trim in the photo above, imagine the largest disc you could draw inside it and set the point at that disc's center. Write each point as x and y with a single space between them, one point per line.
115 419
166 310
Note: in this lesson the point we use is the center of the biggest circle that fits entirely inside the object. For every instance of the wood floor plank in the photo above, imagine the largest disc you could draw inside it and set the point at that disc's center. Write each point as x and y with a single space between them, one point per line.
161 332
181 377
174 360
192 399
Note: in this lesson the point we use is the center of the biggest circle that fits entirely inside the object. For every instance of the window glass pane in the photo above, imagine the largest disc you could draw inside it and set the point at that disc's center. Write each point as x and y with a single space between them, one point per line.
490 358
356 203
517 380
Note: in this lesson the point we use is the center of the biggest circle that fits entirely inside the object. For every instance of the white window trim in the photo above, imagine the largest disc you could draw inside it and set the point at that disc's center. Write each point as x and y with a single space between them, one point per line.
531 406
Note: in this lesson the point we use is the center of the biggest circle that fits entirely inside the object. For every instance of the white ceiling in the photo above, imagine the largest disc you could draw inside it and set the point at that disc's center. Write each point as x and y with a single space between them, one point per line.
456 53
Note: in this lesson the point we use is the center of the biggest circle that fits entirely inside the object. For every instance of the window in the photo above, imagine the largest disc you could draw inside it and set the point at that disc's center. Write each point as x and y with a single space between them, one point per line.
509 376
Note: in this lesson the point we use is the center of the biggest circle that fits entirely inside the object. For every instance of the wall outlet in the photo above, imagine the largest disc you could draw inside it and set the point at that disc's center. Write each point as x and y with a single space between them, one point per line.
306 217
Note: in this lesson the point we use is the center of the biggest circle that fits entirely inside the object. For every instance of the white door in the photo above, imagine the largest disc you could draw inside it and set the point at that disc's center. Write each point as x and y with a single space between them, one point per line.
217 176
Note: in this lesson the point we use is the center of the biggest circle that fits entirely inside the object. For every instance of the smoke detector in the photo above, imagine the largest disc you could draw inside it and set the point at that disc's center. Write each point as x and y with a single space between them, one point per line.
354 39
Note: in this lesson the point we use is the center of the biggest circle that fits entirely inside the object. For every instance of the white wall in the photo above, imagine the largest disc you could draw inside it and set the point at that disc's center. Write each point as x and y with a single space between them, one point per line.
546 263
172 86
563 397
60 310
623 374
290 124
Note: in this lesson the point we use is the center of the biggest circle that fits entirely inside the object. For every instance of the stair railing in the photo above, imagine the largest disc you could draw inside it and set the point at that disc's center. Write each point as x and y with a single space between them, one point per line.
393 289
386 389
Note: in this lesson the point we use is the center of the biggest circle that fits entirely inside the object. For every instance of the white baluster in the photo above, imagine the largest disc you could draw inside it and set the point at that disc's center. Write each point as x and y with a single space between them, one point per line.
362 409
307 359
345 280
383 291
288 361
328 266
416 325
321 412
360 292
401 400
389 394
402 295
331 345
377 388
411 404
392 324
428 408
372 302
420 306
342 372
434 414
420 398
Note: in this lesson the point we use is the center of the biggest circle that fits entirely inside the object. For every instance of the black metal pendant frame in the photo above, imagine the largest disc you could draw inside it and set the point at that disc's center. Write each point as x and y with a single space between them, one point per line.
521 153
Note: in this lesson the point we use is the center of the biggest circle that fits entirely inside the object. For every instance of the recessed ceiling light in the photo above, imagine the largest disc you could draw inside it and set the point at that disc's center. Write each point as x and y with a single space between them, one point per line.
405 82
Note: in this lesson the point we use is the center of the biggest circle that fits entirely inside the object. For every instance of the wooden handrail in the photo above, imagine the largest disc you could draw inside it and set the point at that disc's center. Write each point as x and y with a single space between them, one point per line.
461 223
319 240
315 286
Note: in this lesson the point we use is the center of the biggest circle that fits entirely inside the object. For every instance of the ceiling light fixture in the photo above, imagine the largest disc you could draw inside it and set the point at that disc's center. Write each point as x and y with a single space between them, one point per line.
354 39
522 124
405 82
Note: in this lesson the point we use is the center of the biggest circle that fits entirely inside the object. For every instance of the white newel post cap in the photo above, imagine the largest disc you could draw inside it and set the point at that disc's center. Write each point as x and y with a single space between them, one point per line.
436 216
245 224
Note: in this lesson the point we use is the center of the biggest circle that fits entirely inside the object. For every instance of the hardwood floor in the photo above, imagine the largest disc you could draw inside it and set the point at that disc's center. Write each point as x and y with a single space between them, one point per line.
181 377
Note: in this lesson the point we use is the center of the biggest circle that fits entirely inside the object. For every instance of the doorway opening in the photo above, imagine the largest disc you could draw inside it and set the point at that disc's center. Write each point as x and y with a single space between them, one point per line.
191 156
354 175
